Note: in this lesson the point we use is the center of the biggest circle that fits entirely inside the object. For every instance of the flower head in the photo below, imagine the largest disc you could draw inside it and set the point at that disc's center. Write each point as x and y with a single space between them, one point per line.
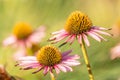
49 58
79 25
115 52
22 30
24 36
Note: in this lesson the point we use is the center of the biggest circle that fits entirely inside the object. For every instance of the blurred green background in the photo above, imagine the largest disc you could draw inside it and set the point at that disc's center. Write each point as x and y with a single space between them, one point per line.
53 14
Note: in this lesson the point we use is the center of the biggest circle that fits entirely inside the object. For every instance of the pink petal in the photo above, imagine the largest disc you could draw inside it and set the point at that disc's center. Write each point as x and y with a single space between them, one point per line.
59 38
46 69
62 68
27 63
41 29
27 58
66 53
102 32
51 68
57 69
57 32
37 36
39 69
28 43
100 28
86 39
71 63
68 68
80 39
21 44
10 40
71 57
99 36
30 66
71 39
94 36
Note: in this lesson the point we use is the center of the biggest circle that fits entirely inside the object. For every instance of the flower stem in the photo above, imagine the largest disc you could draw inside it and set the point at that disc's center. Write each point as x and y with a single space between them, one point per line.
87 60
52 76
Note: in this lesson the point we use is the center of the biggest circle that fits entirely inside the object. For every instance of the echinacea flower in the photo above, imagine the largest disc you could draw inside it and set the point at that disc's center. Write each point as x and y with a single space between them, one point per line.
115 52
49 58
24 36
79 26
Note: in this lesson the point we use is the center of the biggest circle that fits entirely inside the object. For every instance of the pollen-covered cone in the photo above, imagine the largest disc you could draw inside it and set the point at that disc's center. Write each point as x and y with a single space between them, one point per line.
49 58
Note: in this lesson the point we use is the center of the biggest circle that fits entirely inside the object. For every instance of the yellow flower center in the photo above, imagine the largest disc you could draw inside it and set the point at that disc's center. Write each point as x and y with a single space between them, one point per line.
49 55
78 23
33 49
22 30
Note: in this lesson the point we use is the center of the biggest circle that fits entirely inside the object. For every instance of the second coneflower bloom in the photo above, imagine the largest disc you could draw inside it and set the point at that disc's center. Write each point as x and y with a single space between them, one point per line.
24 36
49 58
79 26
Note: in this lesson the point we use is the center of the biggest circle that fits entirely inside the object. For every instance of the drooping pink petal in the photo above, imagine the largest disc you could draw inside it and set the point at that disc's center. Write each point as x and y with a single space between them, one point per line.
80 39
68 68
39 69
70 57
99 28
51 68
71 39
71 63
94 36
86 39
56 69
59 38
102 38
27 63
57 32
62 68
37 35
46 69
10 40
21 44
102 32
28 43
66 53
30 66
27 58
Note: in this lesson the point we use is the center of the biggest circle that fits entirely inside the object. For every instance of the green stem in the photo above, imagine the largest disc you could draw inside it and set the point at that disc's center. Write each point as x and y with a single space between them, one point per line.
87 60
52 76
